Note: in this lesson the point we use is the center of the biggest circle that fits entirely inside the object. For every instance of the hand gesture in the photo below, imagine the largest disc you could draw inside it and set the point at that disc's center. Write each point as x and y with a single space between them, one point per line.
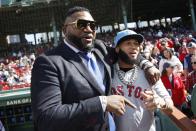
152 75
148 99
116 104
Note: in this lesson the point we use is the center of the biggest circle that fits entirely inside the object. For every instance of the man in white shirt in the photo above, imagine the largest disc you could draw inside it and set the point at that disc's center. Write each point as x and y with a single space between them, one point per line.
129 81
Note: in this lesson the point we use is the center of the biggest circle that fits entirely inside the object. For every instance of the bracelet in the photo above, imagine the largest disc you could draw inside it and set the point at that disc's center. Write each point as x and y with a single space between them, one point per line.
148 65
142 63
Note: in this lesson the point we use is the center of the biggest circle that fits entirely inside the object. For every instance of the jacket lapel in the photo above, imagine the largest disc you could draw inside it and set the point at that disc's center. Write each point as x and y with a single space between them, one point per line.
73 57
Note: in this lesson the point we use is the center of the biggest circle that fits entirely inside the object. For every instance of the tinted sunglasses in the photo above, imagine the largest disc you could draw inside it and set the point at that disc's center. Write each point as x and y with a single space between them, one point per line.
193 62
82 24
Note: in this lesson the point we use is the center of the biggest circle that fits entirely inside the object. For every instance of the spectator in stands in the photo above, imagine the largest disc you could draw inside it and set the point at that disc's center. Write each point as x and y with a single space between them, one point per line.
164 43
7 61
176 45
129 81
173 84
12 78
147 53
70 83
32 57
152 54
191 79
156 56
160 33
169 57
23 60
19 54
12 75
182 52
187 60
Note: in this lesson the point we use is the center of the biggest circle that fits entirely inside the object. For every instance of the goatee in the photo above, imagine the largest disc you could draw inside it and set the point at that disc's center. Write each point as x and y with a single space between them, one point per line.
125 58
79 44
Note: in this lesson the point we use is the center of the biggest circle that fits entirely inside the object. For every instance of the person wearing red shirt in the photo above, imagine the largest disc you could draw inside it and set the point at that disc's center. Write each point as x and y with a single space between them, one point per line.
164 43
183 51
173 84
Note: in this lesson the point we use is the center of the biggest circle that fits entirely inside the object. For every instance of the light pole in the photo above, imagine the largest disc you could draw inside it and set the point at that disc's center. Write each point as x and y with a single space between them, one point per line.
192 14
124 12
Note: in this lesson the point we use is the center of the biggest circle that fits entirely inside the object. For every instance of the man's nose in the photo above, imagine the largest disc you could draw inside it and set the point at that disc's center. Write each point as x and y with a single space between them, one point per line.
132 46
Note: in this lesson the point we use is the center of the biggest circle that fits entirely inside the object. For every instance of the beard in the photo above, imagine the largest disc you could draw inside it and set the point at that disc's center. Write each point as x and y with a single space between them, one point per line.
79 44
125 58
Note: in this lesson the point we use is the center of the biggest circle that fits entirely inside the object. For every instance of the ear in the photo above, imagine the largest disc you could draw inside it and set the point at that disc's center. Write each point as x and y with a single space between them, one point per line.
64 29
141 48
117 49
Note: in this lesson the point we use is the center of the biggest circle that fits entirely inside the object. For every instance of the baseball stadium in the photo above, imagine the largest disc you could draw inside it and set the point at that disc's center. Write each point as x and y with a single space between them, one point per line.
31 28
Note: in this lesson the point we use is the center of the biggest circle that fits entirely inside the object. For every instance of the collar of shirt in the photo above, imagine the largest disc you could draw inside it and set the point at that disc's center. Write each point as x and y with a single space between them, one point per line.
77 52
75 49
72 47
101 66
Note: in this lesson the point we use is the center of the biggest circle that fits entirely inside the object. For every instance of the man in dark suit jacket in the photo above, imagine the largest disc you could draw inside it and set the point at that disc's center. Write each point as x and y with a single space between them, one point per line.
65 94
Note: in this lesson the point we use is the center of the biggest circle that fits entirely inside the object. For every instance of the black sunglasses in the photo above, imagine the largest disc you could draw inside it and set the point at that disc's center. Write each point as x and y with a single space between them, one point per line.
82 24
193 62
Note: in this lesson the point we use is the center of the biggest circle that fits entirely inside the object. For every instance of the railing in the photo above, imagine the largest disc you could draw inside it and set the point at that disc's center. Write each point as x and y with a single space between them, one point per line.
182 121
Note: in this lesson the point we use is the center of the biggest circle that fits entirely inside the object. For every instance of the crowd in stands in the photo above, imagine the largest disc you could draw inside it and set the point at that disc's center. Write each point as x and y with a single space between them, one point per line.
171 49
16 64
15 73
17 49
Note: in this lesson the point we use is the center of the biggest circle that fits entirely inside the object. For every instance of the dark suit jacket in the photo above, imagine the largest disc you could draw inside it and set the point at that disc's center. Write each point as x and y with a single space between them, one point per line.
65 94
